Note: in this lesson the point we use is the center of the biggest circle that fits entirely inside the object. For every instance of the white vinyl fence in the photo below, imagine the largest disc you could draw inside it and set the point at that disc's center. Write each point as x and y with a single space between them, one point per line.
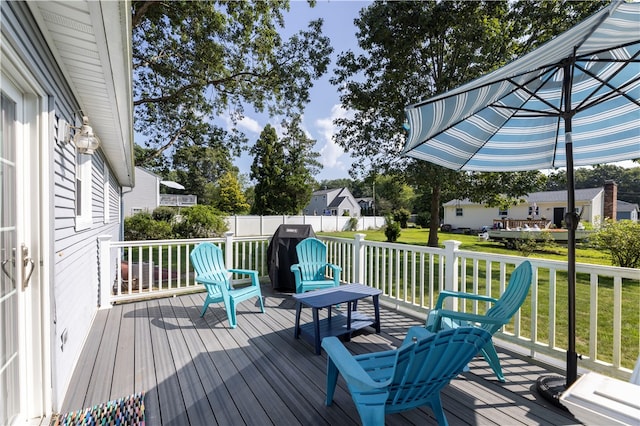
245 226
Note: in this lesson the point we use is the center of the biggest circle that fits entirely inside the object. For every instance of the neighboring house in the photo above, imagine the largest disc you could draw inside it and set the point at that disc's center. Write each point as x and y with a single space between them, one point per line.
593 203
60 61
332 202
366 205
627 211
146 194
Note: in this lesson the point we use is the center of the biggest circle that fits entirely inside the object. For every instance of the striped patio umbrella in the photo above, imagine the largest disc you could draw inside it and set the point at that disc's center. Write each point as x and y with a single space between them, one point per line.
574 101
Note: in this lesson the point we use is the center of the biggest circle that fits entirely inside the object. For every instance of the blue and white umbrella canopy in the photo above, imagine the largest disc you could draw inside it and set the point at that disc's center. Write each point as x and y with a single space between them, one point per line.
574 101
513 118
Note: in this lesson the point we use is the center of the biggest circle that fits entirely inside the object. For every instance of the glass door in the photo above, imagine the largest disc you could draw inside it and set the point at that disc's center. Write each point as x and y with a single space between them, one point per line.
9 257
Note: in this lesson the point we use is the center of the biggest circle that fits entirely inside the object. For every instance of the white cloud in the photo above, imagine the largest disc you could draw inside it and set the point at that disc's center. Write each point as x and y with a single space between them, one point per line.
246 124
251 125
331 152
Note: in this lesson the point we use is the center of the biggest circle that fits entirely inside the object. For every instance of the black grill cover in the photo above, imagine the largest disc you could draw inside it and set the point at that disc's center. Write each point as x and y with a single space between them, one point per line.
281 254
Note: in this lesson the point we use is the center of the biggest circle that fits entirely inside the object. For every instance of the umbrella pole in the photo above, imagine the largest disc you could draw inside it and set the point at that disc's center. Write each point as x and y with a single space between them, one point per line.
571 221
551 387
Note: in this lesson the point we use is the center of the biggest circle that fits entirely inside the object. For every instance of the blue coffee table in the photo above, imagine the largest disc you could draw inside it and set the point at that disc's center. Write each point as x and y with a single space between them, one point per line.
344 323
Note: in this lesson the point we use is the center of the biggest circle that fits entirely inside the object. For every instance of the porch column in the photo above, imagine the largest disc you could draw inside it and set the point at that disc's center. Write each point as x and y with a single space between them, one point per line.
359 259
451 272
104 277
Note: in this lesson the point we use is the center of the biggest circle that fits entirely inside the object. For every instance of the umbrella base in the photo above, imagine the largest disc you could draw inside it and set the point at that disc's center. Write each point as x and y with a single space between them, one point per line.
551 387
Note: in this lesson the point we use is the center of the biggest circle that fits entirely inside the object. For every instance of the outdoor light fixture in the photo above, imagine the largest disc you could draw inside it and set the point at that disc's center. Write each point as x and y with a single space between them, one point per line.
85 140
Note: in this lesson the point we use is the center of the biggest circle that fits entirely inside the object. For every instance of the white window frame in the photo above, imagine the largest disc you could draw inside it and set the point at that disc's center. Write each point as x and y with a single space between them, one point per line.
84 220
459 212
105 193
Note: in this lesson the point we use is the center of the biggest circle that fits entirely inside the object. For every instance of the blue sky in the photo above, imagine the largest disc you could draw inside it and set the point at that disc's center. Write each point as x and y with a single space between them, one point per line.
325 105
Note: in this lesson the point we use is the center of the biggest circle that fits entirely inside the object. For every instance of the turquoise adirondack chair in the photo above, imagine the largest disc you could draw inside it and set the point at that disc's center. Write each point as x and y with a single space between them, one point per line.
208 262
494 319
312 265
398 380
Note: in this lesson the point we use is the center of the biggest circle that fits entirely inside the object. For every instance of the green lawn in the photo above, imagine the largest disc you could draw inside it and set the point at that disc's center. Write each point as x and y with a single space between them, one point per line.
418 236
584 254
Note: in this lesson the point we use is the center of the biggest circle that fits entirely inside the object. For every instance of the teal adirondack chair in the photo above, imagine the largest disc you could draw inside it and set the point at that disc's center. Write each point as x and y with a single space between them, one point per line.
494 319
208 262
312 265
398 380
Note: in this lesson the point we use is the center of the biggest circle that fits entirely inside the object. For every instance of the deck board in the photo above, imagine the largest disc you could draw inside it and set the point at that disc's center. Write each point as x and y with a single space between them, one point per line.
198 371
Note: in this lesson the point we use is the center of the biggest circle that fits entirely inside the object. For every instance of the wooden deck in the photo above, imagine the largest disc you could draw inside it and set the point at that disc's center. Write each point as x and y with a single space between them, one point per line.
197 371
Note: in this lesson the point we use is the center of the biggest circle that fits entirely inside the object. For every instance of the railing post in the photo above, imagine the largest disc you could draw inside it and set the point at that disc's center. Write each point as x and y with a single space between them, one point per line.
104 266
228 252
358 258
451 272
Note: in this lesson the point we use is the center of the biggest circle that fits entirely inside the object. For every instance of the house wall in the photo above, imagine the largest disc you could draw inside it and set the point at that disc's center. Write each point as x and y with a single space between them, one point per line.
475 216
593 212
76 283
351 205
72 281
145 196
318 204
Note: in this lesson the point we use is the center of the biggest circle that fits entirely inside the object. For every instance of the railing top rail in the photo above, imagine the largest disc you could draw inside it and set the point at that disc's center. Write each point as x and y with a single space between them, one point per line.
190 241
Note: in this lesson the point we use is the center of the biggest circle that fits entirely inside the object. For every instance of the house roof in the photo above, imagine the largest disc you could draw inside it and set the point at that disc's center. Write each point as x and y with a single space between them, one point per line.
325 191
623 206
336 202
365 199
91 42
581 195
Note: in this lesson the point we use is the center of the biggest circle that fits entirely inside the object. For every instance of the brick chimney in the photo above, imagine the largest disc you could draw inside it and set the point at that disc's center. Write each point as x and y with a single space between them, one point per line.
610 200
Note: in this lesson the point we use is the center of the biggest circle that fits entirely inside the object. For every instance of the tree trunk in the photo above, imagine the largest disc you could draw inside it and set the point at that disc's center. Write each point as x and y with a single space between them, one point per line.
434 224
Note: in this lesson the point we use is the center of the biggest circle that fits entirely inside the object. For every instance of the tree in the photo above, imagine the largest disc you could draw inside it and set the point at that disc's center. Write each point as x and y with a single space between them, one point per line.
230 197
414 50
195 60
267 169
283 170
300 165
393 193
537 21
628 180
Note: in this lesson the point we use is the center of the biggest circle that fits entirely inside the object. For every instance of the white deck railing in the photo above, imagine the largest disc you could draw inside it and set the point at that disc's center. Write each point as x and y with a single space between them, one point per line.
608 307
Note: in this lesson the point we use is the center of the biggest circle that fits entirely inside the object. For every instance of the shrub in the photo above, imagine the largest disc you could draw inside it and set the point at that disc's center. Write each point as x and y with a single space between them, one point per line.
391 230
352 224
142 226
200 222
402 217
423 219
534 241
164 213
621 239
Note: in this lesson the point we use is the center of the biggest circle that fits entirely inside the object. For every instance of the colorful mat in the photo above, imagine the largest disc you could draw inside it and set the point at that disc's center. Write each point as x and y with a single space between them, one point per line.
128 411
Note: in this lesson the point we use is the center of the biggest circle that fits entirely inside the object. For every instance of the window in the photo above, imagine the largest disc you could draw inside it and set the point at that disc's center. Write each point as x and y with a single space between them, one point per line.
458 211
83 191
502 212
105 193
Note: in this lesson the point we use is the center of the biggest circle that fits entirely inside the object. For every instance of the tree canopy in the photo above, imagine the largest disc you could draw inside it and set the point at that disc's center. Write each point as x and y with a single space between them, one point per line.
283 169
194 61
414 50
